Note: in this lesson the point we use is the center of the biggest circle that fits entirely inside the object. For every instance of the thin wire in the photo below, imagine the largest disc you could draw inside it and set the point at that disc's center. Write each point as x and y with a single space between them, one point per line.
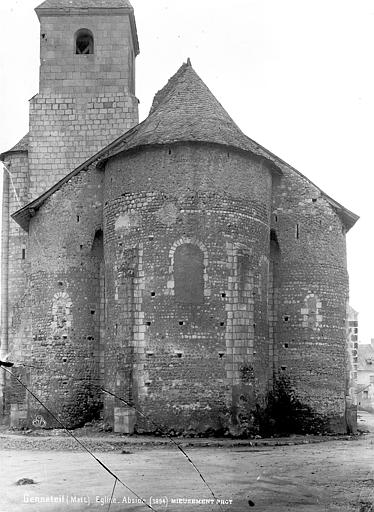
78 441
159 427
362 389
111 497
169 437
11 180
108 392
21 205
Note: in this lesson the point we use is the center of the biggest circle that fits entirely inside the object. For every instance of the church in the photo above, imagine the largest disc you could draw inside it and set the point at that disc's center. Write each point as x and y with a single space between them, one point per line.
167 272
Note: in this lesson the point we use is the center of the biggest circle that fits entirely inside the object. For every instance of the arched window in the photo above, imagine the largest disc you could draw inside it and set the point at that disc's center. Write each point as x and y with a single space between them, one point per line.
84 42
189 274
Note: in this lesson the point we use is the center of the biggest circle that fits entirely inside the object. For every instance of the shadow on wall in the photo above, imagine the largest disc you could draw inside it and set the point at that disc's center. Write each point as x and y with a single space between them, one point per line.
282 414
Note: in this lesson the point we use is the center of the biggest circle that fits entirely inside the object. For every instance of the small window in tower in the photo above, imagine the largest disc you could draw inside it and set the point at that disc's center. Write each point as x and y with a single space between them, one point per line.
23 254
84 42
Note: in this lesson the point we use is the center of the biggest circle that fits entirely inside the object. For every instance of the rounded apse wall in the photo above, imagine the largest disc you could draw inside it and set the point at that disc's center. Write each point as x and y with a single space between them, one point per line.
186 249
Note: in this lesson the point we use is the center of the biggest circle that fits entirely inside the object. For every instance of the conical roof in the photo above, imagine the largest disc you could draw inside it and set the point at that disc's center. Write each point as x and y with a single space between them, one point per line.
84 4
22 145
186 110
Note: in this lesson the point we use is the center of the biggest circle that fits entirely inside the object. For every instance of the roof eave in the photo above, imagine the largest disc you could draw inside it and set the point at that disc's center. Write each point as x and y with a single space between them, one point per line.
12 151
348 218
23 215
273 167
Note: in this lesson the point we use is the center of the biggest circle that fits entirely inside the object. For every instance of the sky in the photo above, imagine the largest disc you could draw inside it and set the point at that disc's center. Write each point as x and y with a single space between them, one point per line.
296 76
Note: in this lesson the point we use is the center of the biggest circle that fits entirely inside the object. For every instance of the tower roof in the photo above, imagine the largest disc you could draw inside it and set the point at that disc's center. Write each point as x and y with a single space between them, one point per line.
22 145
186 110
84 4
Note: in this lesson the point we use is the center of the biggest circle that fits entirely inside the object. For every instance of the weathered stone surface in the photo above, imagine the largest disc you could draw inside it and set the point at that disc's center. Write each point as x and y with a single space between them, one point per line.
184 268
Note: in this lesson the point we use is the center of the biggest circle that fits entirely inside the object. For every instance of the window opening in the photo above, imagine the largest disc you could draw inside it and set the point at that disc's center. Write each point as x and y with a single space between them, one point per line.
188 274
84 43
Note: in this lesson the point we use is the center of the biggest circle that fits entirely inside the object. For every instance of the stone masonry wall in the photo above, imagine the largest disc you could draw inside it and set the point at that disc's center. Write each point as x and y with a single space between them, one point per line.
313 295
66 258
84 101
186 235
15 332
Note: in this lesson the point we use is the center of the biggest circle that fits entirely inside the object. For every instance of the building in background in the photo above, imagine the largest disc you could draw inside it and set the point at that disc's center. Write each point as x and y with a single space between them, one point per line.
365 377
176 262
352 360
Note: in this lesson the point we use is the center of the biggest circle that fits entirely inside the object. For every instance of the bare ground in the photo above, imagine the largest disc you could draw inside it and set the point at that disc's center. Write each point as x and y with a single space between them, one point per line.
334 475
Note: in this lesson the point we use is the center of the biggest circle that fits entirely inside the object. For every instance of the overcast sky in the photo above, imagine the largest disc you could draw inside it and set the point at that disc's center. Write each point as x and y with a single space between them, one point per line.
296 75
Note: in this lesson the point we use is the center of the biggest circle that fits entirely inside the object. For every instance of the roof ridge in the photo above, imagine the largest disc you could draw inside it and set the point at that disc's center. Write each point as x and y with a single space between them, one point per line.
162 94
184 110
66 4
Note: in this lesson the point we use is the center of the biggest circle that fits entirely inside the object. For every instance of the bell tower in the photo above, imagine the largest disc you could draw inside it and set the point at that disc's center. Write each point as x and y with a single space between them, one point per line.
86 93
86 100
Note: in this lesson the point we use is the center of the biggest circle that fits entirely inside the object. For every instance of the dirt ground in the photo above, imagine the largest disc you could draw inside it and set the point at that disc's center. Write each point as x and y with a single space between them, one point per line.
333 475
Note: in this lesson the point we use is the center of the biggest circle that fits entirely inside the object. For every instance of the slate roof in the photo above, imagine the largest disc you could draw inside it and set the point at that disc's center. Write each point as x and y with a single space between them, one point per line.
186 110
63 4
22 145
183 110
